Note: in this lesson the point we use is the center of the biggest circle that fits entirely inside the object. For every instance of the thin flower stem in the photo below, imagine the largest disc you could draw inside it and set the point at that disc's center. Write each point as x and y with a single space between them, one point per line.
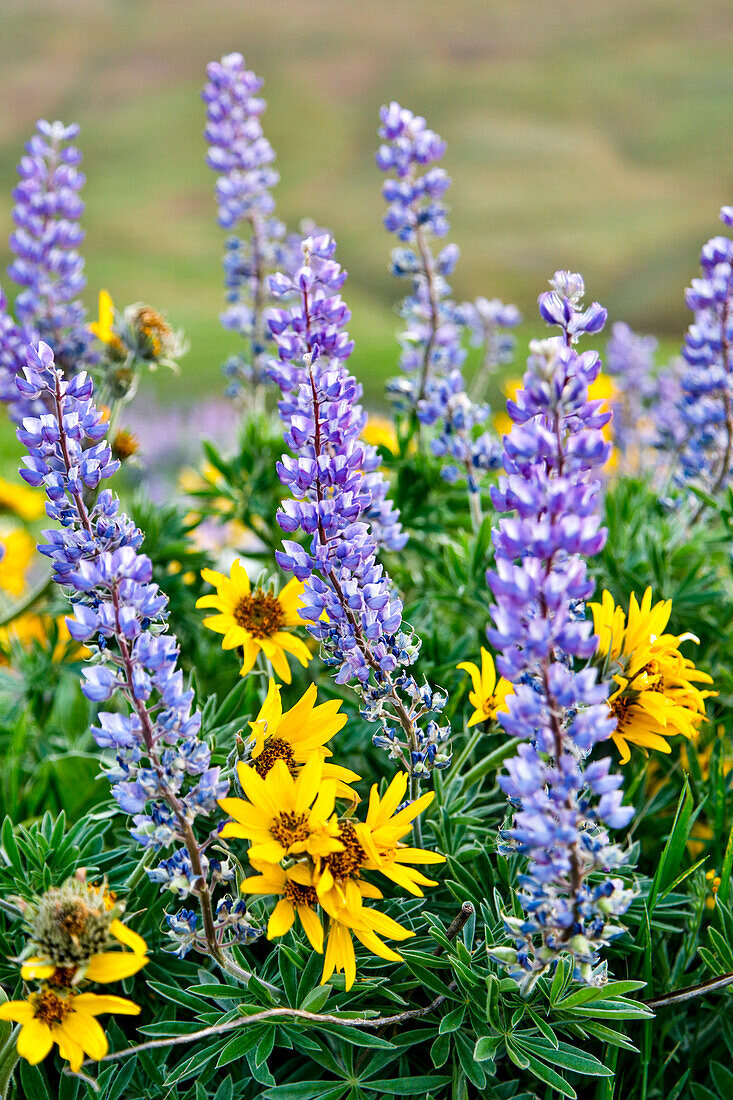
691 992
369 1023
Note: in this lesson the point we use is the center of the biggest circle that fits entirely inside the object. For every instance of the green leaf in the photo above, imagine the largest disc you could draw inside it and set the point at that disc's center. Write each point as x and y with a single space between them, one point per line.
316 999
567 1057
674 849
408 1086
453 1020
486 1048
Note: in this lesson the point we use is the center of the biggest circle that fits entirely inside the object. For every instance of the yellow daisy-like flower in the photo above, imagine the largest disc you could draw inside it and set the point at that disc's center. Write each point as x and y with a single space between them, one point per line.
381 833
102 328
47 1018
256 620
297 734
283 816
372 924
105 966
298 897
22 501
380 432
657 694
488 696
19 550
28 628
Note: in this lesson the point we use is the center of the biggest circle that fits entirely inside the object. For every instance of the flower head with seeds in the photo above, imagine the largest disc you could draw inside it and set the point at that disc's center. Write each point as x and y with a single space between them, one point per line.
256 621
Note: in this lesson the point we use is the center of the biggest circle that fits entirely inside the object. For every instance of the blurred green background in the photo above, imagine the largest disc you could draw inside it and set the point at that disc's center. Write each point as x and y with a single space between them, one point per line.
594 136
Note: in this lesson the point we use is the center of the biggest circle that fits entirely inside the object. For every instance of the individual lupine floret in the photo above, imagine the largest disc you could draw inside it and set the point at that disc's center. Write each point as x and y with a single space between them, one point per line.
243 157
47 266
706 380
162 770
349 602
562 806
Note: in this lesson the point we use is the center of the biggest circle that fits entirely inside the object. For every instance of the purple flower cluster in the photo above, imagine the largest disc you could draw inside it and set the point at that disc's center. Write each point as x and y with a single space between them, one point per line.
162 772
706 399
431 344
433 350
242 155
47 267
630 363
331 475
558 714
311 328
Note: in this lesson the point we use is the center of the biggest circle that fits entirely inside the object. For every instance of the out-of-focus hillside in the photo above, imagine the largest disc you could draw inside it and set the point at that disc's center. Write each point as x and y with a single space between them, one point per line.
594 136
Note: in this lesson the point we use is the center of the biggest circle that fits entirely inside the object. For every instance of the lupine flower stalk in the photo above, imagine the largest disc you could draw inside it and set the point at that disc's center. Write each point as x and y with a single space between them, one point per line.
48 266
162 772
243 157
416 214
562 805
630 363
489 321
432 345
349 603
706 400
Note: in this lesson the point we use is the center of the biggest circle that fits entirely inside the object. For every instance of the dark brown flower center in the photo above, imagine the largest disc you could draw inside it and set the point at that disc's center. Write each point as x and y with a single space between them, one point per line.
290 828
260 614
63 976
153 328
300 895
51 1009
345 863
124 445
620 710
275 749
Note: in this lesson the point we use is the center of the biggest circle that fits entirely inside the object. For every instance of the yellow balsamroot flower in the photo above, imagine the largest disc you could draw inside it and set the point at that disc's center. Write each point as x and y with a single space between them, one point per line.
297 734
256 620
298 896
105 966
381 833
69 1020
488 696
21 501
19 550
102 328
380 432
340 956
283 816
657 696
29 627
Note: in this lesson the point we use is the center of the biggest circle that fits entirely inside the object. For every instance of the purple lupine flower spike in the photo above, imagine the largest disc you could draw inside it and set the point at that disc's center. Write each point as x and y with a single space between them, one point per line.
630 363
705 403
416 214
48 266
558 714
313 328
432 345
243 157
336 496
161 772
